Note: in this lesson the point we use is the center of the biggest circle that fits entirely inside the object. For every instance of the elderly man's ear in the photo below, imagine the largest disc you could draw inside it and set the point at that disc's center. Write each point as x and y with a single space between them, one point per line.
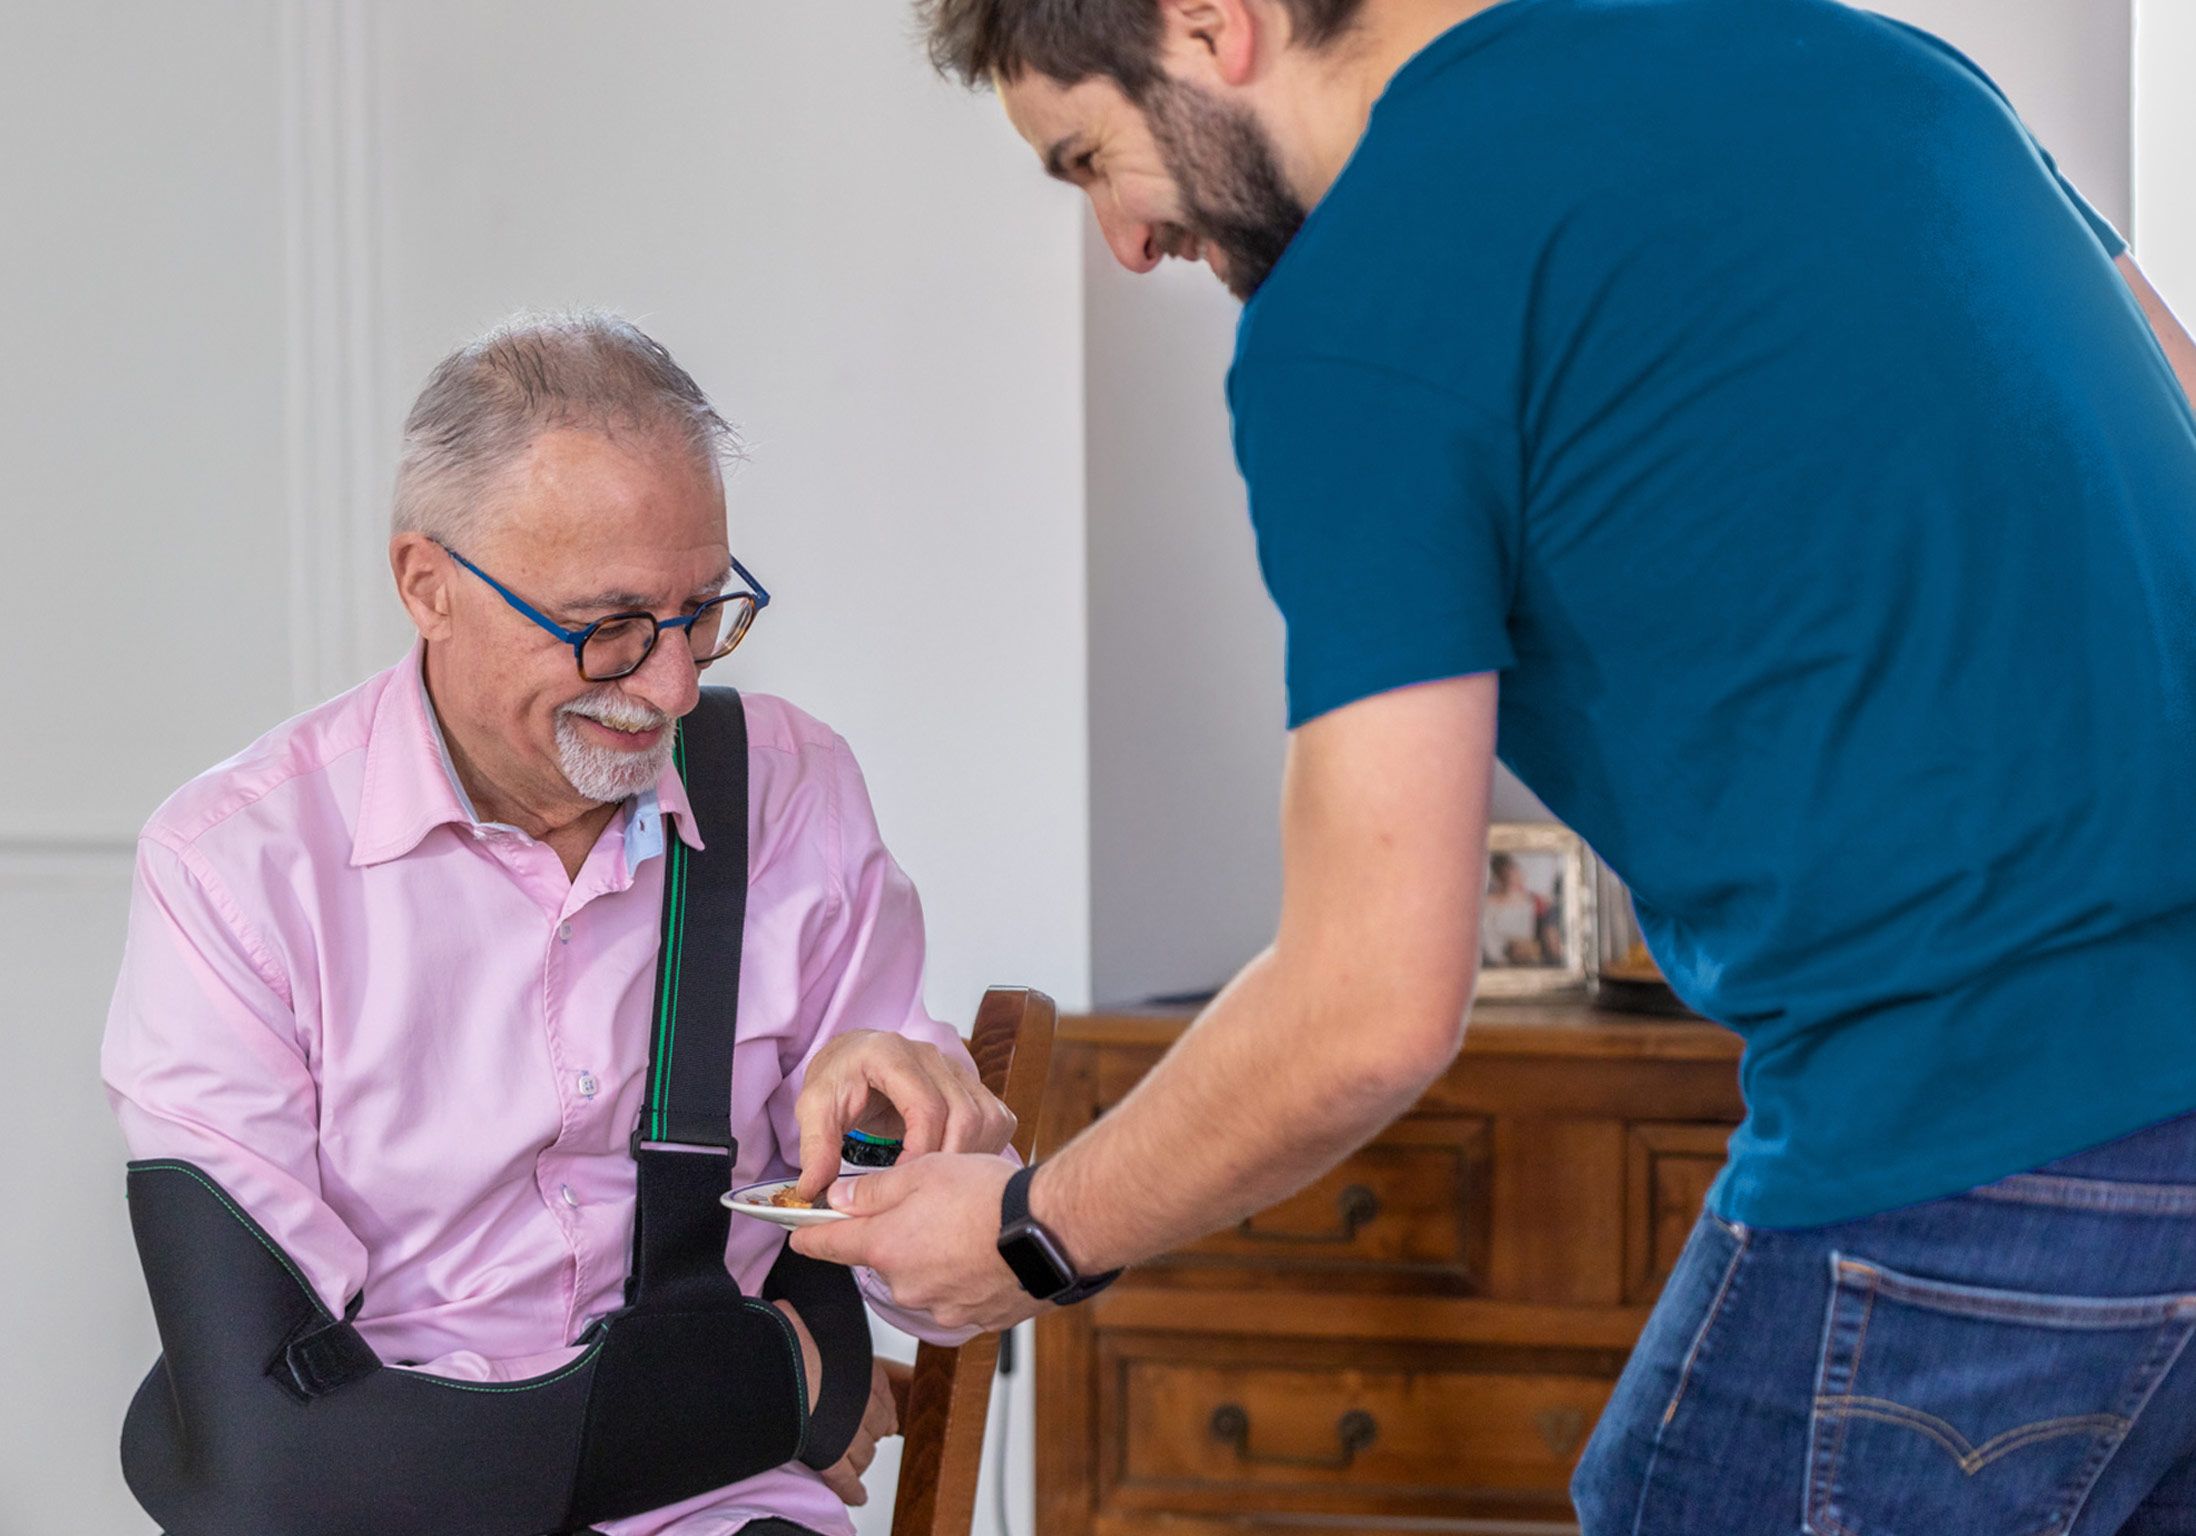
422 572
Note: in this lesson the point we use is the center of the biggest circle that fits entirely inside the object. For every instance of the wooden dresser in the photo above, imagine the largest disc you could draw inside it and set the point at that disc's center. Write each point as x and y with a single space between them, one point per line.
1420 1341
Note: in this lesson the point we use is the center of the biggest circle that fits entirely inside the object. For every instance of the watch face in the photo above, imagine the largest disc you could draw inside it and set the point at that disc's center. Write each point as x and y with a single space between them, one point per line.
1029 1252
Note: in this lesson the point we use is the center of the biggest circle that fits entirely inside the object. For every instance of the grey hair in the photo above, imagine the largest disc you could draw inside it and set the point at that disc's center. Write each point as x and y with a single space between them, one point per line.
487 402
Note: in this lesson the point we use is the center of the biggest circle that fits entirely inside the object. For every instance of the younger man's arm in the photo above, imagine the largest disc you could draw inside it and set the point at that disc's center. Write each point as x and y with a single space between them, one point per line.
2180 350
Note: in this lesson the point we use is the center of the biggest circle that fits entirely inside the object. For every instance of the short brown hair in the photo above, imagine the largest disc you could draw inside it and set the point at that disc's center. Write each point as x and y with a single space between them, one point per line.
1072 40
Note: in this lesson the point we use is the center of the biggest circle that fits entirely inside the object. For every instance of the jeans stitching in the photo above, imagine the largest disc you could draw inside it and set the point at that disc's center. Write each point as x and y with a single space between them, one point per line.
1831 1522
1972 1458
2066 1192
2073 1312
1741 1238
2163 1359
1814 1512
1715 1308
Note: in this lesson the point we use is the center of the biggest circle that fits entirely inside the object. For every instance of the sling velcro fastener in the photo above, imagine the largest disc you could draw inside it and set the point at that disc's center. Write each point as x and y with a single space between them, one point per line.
322 1355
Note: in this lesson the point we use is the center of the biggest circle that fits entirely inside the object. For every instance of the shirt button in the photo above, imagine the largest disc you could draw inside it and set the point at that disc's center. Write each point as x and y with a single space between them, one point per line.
569 1198
588 1085
564 933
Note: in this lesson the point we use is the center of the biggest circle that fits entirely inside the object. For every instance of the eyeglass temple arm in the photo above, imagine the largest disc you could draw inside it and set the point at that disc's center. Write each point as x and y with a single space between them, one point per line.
762 593
578 637
571 637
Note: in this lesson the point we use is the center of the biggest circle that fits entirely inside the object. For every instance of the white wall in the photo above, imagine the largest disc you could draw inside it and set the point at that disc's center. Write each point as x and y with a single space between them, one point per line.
1186 699
2165 150
239 236
1186 702
141 487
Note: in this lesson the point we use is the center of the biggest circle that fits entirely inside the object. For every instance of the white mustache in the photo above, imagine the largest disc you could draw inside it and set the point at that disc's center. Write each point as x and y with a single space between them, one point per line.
618 714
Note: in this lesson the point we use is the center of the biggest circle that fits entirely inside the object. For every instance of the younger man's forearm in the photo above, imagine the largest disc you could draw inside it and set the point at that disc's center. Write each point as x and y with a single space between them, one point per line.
1269 1089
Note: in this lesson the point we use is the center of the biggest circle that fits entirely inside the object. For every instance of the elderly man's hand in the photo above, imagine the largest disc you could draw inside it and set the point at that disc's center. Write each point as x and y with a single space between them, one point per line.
889 1084
888 1382
930 1229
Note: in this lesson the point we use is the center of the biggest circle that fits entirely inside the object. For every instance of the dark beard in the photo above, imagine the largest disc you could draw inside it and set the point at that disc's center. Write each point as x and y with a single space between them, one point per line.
1223 164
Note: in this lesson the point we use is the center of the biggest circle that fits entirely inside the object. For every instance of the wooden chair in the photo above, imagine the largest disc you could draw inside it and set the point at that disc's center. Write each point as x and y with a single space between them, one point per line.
950 1395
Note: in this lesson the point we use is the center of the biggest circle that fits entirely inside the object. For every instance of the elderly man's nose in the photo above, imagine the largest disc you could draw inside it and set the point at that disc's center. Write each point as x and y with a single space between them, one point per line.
668 680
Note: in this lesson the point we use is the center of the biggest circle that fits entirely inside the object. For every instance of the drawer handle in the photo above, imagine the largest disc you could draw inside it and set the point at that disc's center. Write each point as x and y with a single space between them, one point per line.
1563 1429
1354 1210
1353 1432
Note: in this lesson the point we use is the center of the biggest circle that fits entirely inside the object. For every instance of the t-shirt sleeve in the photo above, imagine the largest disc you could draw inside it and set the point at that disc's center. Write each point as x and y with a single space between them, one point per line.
1385 510
2099 225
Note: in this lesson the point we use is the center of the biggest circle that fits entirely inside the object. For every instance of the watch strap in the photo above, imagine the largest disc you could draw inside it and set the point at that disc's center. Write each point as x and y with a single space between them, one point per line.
1014 1203
1014 1207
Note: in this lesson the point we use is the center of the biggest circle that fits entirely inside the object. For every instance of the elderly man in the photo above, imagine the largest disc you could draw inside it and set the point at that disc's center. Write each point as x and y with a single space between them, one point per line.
385 1016
1731 398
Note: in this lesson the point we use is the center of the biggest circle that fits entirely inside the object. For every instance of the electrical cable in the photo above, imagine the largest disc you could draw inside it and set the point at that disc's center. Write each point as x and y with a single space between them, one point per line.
1006 1430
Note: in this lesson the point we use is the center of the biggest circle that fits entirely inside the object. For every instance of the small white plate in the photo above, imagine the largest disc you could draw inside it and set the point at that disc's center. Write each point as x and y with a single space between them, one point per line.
754 1200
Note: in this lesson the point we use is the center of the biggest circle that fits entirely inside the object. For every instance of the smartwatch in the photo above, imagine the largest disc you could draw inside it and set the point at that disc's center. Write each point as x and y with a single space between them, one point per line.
1038 1258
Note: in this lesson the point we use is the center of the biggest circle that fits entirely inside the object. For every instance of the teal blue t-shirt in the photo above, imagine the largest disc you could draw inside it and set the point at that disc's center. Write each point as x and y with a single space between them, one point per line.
1740 381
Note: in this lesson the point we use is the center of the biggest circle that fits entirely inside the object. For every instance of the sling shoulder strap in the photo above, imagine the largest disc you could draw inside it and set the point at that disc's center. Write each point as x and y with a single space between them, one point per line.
683 1145
689 1096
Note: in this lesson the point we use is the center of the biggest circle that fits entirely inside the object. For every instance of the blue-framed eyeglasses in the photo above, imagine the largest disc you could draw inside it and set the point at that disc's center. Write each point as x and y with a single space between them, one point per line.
615 646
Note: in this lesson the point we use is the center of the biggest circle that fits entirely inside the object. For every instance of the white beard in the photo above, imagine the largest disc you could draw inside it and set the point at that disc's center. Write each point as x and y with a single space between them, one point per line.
604 773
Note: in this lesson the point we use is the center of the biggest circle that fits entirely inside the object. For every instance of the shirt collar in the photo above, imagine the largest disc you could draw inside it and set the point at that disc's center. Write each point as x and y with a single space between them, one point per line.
646 817
411 787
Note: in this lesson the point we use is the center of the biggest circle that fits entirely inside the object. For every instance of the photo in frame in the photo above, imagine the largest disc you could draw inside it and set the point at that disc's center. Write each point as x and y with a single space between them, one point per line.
1536 915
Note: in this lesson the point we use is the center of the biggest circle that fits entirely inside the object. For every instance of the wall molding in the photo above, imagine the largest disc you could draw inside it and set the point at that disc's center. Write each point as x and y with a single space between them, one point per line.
94 845
47 866
335 436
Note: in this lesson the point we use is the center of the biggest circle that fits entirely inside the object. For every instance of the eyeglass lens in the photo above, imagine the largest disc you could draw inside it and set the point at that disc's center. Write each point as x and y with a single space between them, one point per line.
619 646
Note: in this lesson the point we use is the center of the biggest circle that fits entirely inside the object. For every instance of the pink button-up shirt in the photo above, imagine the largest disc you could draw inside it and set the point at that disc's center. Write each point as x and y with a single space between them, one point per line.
412 1048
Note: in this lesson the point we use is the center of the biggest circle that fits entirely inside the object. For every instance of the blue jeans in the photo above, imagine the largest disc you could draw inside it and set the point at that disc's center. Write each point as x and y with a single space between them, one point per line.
2014 1361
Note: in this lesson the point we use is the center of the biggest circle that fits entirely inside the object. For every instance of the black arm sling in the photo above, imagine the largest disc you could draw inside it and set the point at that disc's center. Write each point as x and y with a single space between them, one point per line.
268 1416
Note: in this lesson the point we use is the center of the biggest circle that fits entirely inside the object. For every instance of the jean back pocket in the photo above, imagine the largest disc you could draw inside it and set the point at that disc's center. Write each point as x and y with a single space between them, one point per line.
1946 1408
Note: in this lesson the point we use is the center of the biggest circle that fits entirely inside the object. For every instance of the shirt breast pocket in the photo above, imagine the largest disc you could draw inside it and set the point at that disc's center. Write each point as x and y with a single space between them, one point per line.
1943 1407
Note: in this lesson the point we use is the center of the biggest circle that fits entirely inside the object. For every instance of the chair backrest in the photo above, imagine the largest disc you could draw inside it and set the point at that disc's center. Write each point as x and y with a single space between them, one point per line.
951 1392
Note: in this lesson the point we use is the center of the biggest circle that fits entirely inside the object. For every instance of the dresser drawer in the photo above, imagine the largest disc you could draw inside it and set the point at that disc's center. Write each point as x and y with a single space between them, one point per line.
1407 1213
1423 1340
1212 1424
1668 1171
